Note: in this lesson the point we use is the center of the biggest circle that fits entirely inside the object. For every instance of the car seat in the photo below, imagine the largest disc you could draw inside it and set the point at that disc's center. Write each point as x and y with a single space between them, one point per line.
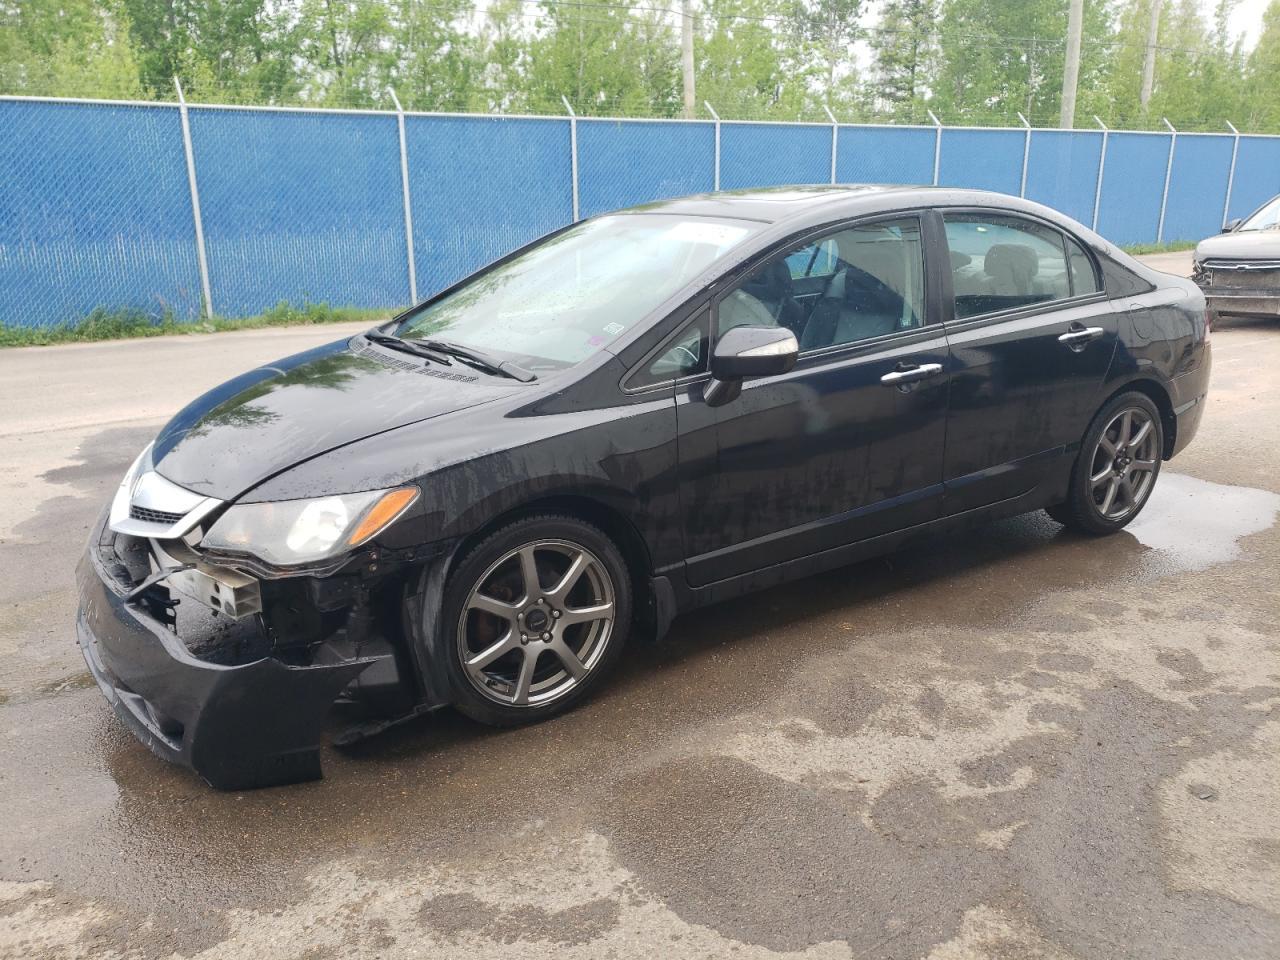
772 286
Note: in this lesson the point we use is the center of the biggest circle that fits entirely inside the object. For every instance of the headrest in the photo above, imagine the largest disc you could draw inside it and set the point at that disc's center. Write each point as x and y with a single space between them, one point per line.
771 282
1015 260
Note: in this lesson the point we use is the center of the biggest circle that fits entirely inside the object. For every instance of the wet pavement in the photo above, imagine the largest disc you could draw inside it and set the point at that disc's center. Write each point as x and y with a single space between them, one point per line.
1012 743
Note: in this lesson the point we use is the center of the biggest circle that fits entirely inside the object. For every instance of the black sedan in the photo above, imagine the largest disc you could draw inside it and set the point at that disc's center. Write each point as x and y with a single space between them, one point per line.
480 502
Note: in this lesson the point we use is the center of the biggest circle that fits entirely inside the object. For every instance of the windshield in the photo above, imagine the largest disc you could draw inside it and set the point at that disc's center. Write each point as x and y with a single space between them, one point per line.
1268 218
575 293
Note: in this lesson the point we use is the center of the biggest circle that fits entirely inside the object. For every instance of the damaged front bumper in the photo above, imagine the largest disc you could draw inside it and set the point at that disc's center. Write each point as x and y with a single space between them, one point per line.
237 725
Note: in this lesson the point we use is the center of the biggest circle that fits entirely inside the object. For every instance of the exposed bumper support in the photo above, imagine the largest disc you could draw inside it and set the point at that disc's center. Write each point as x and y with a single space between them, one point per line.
238 726
1261 304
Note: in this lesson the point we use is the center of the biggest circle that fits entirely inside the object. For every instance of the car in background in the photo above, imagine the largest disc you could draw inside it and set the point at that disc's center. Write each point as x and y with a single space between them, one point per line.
479 502
1239 270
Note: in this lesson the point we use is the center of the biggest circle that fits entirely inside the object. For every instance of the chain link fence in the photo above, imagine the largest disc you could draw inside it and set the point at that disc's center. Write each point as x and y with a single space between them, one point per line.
144 207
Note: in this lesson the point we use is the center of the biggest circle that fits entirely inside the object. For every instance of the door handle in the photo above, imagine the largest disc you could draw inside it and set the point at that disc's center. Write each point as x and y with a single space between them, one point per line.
1079 336
911 374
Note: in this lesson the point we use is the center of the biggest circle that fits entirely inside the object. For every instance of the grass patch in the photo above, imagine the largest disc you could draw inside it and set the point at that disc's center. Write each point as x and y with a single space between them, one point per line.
1174 246
121 324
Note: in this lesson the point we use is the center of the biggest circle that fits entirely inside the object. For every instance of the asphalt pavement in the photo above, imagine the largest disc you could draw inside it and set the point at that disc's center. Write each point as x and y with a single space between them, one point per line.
1013 743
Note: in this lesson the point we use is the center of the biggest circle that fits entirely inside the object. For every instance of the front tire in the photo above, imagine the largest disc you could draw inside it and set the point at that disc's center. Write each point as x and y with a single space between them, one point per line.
1116 468
535 616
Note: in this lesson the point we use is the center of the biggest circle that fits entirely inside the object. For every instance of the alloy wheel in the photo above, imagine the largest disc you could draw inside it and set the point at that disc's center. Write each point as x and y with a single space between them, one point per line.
536 623
1123 467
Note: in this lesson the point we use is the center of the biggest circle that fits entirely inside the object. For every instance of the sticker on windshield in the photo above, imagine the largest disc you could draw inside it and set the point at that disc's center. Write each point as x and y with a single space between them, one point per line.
614 329
715 234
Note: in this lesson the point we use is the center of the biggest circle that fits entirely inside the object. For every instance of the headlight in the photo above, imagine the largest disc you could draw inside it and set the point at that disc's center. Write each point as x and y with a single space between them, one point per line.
124 493
289 532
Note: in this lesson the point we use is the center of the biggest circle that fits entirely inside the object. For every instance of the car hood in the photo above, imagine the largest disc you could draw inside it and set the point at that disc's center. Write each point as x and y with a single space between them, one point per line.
1246 245
269 419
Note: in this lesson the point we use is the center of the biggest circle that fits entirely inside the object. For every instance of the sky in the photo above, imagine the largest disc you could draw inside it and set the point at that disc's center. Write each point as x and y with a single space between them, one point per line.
1245 19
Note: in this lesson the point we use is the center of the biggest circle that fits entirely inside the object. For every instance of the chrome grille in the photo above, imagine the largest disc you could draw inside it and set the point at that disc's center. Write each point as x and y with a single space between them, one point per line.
153 516
1243 275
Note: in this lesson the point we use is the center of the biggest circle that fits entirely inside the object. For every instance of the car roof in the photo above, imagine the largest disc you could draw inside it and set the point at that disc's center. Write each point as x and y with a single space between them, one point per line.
804 201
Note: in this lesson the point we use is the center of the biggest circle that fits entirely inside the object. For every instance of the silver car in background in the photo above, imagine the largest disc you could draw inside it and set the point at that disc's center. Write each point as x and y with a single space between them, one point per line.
1239 270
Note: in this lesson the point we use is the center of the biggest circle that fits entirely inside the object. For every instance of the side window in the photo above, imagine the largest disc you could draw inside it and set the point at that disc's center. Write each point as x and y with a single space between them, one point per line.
857 283
1083 277
1003 263
683 354
815 260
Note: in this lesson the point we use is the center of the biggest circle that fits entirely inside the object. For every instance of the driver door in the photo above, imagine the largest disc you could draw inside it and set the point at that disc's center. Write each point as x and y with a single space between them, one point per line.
846 446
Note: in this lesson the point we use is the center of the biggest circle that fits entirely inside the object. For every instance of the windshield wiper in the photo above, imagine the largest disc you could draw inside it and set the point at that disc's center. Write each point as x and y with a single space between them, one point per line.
503 368
415 347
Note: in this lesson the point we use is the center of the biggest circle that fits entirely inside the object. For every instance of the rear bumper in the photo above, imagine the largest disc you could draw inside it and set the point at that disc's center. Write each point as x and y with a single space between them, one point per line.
1188 394
238 726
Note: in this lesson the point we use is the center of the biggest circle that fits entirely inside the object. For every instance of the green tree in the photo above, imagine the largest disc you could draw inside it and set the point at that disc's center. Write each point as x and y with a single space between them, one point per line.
1261 84
501 52
344 48
67 48
740 66
226 50
604 60
823 34
1199 69
905 52
434 63
999 58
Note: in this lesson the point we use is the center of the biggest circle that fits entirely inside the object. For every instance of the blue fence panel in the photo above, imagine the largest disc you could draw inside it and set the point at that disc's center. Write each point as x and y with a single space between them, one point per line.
625 162
300 207
94 212
1062 171
983 159
481 187
902 155
1132 187
773 154
1197 187
1257 175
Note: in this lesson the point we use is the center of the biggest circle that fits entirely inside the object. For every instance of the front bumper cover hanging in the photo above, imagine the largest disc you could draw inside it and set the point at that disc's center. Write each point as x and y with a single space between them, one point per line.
238 726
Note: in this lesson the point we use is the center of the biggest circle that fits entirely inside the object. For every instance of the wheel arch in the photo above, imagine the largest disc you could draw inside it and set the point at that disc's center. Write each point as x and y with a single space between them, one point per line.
1158 395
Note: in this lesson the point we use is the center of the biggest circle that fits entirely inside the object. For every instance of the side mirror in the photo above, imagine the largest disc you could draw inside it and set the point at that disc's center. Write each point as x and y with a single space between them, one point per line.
749 352
1232 224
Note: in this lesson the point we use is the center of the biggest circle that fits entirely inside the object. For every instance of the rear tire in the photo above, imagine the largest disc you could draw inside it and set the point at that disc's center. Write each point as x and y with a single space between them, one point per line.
534 618
1116 468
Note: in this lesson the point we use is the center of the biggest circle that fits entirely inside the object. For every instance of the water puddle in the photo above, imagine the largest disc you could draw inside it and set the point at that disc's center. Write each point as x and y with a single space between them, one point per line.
1196 523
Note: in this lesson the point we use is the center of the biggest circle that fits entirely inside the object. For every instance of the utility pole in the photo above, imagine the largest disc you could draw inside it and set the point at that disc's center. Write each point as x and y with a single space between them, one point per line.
686 57
1071 71
1149 63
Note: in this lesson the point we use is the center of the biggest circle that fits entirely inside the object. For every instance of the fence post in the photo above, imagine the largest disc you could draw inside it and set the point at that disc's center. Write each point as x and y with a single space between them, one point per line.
835 133
937 145
201 258
1231 177
1102 166
1168 172
408 206
716 117
573 152
1026 155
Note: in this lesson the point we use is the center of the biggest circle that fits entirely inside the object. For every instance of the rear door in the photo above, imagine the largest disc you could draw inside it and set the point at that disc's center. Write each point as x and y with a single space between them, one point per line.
1032 335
